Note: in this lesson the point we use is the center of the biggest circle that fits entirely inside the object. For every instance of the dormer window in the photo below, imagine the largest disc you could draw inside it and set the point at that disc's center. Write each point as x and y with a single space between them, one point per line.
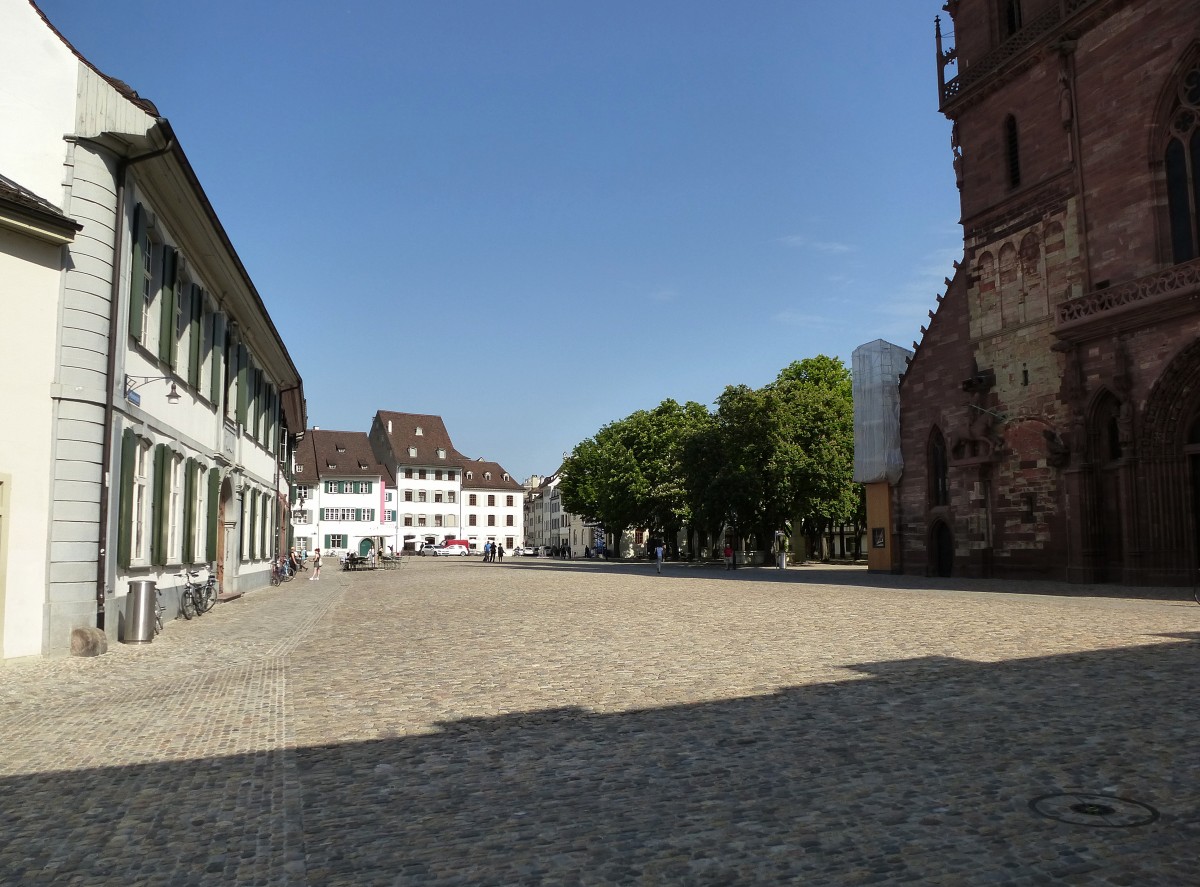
441 453
420 431
340 448
487 475
506 477
412 451
470 475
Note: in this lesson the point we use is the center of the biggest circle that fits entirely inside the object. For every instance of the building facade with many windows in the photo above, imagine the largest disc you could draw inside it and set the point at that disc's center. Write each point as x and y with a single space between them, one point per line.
343 500
1050 417
172 393
442 494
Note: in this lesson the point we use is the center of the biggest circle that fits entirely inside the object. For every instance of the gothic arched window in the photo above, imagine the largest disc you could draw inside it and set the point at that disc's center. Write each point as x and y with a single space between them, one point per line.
1182 163
1012 151
1012 17
939 463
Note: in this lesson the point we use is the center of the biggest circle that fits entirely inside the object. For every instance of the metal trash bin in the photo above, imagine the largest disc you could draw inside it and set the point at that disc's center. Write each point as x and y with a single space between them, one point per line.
141 606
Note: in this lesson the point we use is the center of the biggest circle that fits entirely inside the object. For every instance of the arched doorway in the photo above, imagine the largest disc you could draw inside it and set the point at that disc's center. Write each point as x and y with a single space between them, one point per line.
365 546
941 549
1168 442
1107 453
227 539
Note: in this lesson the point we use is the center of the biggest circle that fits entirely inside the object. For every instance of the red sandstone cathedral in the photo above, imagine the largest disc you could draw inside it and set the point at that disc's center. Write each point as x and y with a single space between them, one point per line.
1050 416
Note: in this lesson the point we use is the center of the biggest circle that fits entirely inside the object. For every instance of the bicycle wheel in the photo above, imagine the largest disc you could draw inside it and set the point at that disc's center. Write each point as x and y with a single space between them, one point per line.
208 598
187 604
274 576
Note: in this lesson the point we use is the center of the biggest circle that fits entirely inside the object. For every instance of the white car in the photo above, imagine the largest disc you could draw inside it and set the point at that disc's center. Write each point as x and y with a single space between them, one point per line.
444 550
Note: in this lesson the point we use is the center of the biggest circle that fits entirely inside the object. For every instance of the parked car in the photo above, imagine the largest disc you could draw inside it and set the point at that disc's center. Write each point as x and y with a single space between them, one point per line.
450 548
527 550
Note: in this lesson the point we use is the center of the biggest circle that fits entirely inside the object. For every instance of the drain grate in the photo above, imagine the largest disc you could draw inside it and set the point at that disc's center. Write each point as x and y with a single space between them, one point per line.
1098 811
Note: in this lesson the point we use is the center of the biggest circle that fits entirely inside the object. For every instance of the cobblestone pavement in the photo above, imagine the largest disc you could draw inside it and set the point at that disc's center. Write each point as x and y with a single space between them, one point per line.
544 722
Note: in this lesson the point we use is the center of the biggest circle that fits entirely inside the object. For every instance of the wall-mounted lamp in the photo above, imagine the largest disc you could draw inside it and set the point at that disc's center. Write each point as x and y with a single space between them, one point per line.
133 383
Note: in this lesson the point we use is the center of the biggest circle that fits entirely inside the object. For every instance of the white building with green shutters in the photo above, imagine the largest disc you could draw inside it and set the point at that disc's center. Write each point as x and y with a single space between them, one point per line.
168 411
344 499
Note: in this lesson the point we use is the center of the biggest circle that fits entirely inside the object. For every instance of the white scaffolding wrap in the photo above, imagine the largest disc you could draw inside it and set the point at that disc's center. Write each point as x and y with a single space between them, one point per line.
876 369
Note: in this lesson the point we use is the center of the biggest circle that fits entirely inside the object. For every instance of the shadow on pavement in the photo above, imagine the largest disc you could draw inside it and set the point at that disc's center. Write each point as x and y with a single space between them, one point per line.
919 771
855 576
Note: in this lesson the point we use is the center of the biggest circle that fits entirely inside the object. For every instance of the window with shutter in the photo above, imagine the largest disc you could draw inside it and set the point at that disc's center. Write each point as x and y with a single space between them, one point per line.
214 504
160 516
168 301
129 448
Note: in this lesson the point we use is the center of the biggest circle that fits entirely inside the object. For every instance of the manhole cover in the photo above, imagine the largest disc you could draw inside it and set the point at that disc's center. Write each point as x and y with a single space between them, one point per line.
1099 811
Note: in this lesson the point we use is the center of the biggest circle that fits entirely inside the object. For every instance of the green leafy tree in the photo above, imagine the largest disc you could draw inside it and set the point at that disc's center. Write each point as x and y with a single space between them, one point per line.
779 454
631 472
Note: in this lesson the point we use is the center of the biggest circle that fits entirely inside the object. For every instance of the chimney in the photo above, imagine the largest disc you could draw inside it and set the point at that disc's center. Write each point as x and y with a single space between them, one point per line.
316 428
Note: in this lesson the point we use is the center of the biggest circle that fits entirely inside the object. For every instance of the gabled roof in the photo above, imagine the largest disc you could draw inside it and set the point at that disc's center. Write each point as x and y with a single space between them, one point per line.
479 474
330 454
167 145
25 211
416 439
119 85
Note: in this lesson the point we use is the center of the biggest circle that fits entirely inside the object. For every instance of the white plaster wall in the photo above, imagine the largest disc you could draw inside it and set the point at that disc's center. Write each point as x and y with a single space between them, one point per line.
38 77
29 297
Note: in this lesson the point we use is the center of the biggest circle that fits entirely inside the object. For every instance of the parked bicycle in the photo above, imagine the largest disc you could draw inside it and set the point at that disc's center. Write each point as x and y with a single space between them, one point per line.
281 570
197 597
159 609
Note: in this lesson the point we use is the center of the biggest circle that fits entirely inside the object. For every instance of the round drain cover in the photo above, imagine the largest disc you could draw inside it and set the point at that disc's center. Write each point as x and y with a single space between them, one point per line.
1099 811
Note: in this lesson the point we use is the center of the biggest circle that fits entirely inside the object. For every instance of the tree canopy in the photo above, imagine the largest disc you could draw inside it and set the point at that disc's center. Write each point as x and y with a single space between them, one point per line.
764 459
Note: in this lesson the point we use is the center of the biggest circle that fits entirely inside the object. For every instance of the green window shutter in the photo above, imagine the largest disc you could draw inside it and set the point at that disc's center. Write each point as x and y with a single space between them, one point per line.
214 504
137 273
253 519
358 514
260 405
195 353
166 317
217 373
272 441
158 531
326 541
189 512
243 383
129 445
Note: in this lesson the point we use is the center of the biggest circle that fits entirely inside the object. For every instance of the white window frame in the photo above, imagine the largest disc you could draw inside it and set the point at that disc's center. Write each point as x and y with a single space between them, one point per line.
137 533
150 284
174 509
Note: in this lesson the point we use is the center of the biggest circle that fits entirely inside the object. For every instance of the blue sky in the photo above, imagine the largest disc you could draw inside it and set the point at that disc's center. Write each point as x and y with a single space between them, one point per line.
533 217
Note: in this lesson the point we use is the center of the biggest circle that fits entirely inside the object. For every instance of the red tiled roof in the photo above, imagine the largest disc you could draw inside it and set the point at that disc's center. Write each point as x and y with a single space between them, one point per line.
479 469
338 454
415 439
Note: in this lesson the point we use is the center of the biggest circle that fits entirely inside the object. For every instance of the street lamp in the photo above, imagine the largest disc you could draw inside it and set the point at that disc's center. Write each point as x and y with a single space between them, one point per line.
133 383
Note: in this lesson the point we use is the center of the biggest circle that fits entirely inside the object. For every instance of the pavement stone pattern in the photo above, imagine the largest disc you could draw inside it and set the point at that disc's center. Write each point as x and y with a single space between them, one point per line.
547 722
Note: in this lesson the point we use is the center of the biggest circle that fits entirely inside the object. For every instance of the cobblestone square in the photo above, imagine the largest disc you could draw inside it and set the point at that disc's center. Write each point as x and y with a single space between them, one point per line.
550 722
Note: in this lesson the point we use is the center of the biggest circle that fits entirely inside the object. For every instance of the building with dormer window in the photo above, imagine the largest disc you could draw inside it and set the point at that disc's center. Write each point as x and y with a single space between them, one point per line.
442 494
344 500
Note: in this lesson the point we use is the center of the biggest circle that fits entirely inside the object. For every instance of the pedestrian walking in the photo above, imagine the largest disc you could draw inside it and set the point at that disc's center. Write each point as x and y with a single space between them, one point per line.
658 557
316 566
728 556
499 552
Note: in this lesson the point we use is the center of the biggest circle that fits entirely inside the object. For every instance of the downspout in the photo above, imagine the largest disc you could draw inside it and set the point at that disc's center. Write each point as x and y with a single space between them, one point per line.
123 165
